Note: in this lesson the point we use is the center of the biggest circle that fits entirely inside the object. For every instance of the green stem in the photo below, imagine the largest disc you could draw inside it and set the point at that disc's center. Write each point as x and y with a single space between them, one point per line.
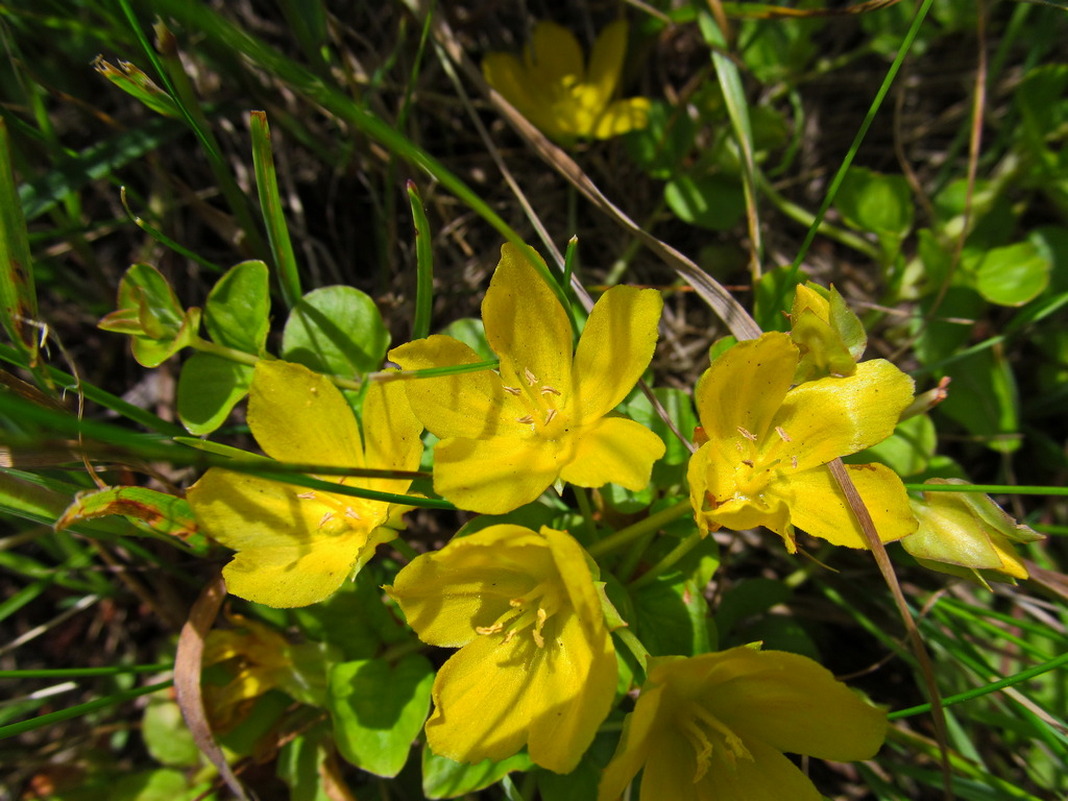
669 561
630 533
586 508
634 645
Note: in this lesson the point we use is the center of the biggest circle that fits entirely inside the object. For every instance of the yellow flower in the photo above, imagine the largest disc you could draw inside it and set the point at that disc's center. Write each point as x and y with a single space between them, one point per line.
262 660
714 726
768 444
536 665
967 534
507 435
553 88
297 546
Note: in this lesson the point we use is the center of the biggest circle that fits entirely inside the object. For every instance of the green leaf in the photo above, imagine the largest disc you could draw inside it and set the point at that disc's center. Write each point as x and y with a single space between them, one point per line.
237 312
336 330
443 778
881 204
715 202
1041 98
1012 275
982 397
670 617
747 599
664 143
379 710
907 451
209 387
149 509
469 330
271 207
299 765
166 736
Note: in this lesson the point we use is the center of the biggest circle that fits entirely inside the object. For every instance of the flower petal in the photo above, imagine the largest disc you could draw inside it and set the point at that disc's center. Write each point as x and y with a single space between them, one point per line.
620 117
481 573
613 449
745 387
391 435
833 417
640 728
285 557
554 54
458 405
495 476
793 704
615 348
606 59
525 324
768 776
818 506
288 404
712 479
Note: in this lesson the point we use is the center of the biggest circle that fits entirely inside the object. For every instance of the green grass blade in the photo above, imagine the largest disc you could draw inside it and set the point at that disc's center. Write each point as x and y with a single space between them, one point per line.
424 265
18 297
271 208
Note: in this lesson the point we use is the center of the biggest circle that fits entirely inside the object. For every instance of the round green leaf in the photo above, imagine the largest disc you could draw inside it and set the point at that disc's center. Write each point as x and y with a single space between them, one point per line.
166 736
336 330
208 389
1012 275
443 778
379 710
869 201
237 313
716 203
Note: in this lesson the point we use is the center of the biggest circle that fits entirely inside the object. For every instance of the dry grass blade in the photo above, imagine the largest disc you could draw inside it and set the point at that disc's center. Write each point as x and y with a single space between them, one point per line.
882 559
187 664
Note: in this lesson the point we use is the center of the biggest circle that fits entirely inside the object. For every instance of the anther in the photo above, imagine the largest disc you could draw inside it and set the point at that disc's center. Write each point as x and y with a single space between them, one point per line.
549 415
748 435
306 496
513 391
550 391
783 434
525 419
747 462
531 378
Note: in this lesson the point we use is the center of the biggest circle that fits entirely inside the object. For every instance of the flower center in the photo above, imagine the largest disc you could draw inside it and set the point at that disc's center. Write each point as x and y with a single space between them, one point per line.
543 405
757 465
529 611
706 733
342 514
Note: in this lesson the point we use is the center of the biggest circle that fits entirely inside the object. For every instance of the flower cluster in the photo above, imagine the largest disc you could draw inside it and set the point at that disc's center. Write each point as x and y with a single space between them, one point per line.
536 666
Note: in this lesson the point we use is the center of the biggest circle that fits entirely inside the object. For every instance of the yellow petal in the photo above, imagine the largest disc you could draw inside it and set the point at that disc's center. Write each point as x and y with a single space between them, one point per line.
391 435
615 348
458 405
613 450
506 74
526 326
620 117
447 594
640 729
768 776
494 476
606 60
745 387
834 417
288 553
554 54
818 506
793 704
297 415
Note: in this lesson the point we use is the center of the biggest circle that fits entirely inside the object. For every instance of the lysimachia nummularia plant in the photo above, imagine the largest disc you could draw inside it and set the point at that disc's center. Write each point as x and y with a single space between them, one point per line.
556 651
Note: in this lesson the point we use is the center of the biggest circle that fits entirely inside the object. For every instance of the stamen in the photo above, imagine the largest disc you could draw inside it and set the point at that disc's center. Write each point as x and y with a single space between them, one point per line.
549 391
549 415
783 434
326 518
747 434
747 462
525 419
513 391
793 462
539 640
306 496
531 378
496 627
